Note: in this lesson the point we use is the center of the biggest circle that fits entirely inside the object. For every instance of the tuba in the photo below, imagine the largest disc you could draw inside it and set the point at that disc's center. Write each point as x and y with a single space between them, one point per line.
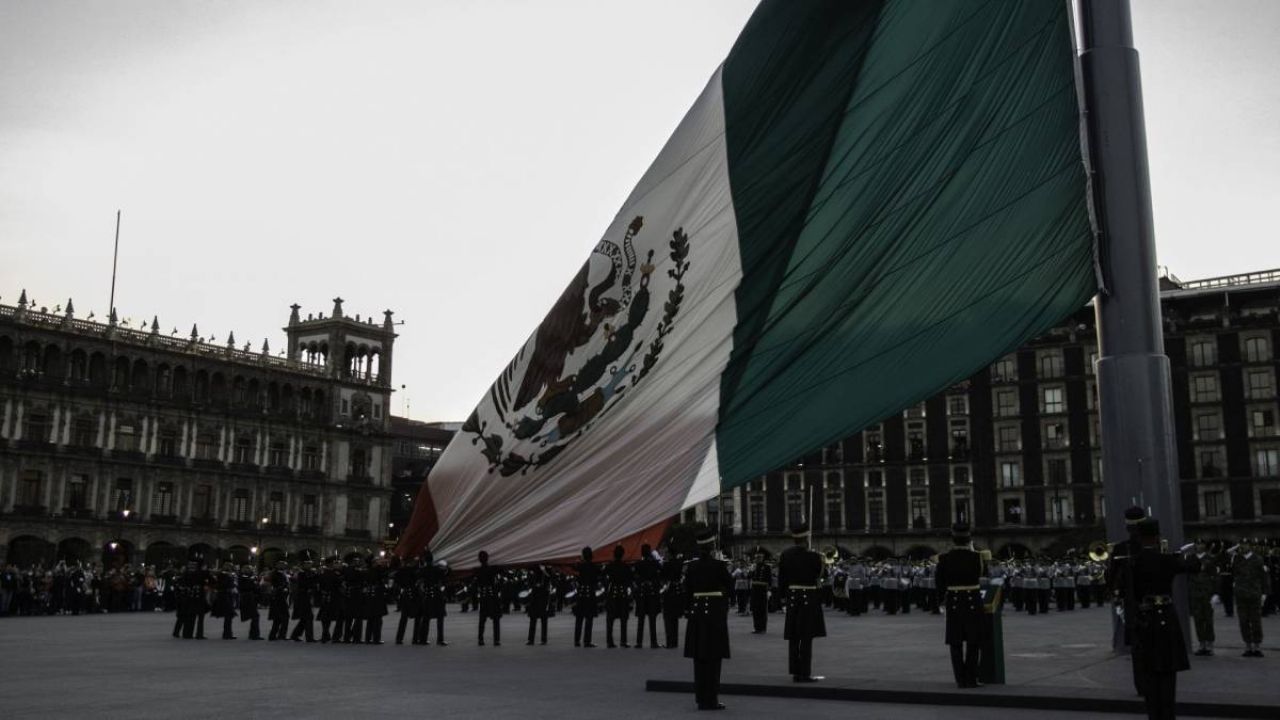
1099 551
830 555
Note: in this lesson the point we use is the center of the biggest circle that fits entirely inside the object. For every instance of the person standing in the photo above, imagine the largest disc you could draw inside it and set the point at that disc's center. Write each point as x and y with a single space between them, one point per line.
959 573
707 585
799 569
1121 594
1226 583
1252 584
488 587
405 583
1200 587
431 579
248 598
375 600
329 588
761 577
648 596
303 596
617 603
278 611
584 600
224 599
538 603
672 597
1158 646
353 579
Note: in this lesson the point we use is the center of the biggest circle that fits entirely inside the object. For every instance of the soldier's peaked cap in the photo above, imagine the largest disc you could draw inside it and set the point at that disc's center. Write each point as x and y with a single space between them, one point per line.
707 537
960 530
1134 515
799 531
1148 528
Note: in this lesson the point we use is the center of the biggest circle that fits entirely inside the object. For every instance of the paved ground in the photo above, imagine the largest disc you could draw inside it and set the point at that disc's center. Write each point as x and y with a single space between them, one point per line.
127 666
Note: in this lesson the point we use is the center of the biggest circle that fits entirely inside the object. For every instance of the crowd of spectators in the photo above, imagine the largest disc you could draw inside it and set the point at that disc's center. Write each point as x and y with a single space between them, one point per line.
76 588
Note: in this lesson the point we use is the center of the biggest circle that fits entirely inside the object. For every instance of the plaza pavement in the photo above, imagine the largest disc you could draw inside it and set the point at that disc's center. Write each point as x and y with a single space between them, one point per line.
128 666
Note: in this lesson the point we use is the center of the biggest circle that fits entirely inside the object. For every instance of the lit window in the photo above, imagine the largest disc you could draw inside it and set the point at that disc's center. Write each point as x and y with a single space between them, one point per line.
1053 401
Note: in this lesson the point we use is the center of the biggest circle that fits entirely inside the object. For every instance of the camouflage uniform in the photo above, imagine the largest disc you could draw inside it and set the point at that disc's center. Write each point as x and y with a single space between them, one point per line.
1201 586
1251 583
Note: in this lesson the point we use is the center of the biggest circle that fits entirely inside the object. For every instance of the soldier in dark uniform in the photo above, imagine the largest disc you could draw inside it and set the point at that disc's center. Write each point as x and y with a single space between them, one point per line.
761 579
224 599
353 578
1252 583
488 588
248 582
431 588
329 588
617 603
538 603
798 571
1226 583
672 597
648 596
584 602
304 591
959 572
1200 587
278 611
180 605
404 580
375 600
1120 592
707 585
1159 649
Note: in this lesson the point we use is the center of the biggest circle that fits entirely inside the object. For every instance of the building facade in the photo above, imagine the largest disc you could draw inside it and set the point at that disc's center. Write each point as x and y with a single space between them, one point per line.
1015 450
416 448
121 444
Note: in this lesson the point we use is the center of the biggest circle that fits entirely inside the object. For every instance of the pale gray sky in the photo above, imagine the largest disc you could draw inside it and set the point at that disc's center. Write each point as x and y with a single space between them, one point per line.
456 160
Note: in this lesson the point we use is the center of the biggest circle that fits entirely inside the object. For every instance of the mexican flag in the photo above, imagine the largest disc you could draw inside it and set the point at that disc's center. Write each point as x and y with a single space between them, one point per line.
869 202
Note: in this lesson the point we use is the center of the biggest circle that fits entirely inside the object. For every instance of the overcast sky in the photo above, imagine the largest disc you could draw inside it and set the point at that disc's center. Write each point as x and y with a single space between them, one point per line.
455 161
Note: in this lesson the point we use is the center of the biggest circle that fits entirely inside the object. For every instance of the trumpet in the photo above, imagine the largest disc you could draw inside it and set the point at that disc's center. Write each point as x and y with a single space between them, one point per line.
1099 551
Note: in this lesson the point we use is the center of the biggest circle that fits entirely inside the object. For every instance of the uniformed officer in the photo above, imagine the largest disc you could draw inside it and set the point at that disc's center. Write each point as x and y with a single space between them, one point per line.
707 584
278 611
1159 649
488 588
617 602
1121 594
303 593
1200 587
761 577
375 600
648 596
798 571
538 603
353 579
431 588
584 600
672 597
224 599
329 587
959 573
1252 584
248 583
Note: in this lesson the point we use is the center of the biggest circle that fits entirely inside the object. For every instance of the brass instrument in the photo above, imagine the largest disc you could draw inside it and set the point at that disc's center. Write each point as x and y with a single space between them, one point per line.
1099 551
830 555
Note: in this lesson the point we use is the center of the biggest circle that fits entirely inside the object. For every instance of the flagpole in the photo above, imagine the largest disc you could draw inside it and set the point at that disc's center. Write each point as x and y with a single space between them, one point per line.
115 254
1139 455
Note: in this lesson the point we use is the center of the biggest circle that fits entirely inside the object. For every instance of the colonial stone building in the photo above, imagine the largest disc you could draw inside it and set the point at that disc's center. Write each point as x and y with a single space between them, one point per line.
1015 449
122 444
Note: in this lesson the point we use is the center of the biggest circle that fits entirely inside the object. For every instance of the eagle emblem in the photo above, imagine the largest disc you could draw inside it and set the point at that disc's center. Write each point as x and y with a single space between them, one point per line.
587 354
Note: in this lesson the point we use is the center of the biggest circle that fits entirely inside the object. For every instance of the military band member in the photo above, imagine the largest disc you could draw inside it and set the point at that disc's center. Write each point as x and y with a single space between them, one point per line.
1159 649
584 602
648 596
303 594
248 595
538 603
487 589
617 602
431 587
672 597
707 584
375 600
329 587
1200 586
278 611
353 578
224 599
405 586
799 569
761 577
959 572
1252 584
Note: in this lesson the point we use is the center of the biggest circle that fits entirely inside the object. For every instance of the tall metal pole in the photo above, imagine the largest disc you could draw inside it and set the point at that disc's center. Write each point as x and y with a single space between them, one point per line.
115 254
1139 456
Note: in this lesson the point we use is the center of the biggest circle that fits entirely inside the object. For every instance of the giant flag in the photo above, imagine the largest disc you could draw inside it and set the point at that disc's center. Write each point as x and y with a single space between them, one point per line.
869 201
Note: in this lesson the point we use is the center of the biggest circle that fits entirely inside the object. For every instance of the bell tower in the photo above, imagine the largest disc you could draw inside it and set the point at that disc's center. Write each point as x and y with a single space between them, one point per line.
354 352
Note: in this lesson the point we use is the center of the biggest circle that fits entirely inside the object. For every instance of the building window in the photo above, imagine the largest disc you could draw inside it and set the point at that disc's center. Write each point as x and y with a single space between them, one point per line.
915 441
1091 395
1052 401
1010 474
1211 463
310 457
1269 503
875 479
1005 370
1060 509
1050 364
202 502
1012 508
78 492
1259 385
957 404
122 495
919 509
1262 422
355 514
960 475
795 507
167 445
1208 426
30 490
1215 503
1008 438
1266 462
243 450
275 508
126 438
84 432
1257 350
1204 388
917 477
961 506
755 506
835 505
914 412
875 511
36 427
1006 403
959 439
278 456
240 506
726 510
1055 436
162 499
1056 471
1091 361
875 446
1204 353
207 446
359 463
307 517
